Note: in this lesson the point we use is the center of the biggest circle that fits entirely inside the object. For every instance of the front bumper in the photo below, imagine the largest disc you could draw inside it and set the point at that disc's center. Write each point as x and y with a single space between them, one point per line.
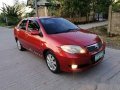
84 61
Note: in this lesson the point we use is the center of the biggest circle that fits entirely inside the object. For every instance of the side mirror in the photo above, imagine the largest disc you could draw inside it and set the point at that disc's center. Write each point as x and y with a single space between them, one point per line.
40 34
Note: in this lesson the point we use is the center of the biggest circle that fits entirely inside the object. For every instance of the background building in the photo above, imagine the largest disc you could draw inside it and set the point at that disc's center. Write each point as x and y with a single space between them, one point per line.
40 6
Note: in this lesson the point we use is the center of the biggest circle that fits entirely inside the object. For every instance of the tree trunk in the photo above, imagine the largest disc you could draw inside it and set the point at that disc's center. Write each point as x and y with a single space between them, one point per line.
98 16
87 17
94 16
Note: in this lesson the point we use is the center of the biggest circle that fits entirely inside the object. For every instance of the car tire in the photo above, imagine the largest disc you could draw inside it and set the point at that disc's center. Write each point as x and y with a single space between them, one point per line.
52 62
19 46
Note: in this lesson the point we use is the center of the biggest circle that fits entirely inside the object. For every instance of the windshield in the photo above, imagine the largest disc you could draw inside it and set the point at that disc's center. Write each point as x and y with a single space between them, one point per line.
57 25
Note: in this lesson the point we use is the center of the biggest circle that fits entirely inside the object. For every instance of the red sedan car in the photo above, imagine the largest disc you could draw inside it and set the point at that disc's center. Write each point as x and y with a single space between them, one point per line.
63 45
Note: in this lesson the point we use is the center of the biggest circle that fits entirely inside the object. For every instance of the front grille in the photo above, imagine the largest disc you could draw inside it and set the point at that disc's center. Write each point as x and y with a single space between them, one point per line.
94 47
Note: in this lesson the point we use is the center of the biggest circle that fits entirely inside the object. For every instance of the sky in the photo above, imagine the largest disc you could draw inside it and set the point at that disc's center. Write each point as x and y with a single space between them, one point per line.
10 2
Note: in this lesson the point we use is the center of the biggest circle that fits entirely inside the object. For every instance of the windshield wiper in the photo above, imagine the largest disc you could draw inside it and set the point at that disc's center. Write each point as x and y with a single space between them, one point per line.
74 29
56 32
68 30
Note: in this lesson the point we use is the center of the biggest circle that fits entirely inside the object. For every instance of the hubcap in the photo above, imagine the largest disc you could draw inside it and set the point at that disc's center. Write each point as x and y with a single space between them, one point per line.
51 62
18 45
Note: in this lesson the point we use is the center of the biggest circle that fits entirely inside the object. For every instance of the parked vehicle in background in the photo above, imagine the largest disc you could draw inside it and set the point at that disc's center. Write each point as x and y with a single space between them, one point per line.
63 45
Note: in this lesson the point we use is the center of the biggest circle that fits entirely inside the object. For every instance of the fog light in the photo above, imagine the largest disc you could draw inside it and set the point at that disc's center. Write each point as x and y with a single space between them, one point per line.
74 66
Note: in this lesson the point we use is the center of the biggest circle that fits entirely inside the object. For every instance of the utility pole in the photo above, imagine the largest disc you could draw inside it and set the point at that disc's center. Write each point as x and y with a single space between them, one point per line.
46 12
5 18
36 8
109 19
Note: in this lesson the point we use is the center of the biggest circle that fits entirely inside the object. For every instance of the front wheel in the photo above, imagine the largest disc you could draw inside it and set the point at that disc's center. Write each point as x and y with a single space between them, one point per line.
52 62
19 46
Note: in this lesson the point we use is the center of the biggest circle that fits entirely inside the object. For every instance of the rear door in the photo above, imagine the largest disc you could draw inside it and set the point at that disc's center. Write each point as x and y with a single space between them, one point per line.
22 33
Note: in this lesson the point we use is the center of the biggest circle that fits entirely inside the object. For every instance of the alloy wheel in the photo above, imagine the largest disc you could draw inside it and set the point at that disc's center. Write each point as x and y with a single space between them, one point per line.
51 62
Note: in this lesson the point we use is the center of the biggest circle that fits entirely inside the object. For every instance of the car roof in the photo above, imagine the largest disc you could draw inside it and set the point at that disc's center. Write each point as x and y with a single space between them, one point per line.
35 18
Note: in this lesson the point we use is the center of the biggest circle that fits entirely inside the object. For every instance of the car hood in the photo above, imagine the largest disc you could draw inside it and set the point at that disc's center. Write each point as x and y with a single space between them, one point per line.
81 38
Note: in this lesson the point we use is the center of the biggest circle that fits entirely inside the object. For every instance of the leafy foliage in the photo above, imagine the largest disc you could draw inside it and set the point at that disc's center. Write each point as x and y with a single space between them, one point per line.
11 10
79 8
101 6
12 14
55 6
30 14
116 6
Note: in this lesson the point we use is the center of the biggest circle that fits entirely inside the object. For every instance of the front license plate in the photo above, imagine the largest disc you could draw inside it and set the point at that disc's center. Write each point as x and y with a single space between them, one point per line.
99 55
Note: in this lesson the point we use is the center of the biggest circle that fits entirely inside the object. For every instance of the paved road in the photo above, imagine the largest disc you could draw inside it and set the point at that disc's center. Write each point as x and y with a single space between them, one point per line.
91 25
26 71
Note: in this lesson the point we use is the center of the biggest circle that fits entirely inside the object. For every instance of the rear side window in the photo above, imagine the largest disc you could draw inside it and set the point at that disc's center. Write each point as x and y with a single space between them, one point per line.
23 25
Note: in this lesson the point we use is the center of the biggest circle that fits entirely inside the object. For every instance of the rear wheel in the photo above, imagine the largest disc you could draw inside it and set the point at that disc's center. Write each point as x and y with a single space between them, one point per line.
52 62
20 47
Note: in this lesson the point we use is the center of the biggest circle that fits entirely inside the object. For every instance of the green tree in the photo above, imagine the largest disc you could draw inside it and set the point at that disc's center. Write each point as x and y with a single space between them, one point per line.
54 8
12 14
75 8
78 8
116 6
100 6
30 14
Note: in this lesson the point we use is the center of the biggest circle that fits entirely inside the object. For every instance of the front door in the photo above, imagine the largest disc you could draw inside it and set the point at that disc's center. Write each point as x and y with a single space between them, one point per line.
34 41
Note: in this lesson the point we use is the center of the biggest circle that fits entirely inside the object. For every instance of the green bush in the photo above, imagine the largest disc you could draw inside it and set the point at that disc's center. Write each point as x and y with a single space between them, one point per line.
12 20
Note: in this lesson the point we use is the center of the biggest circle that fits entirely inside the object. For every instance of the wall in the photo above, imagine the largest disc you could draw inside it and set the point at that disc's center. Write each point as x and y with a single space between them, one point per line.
115 23
80 20
42 11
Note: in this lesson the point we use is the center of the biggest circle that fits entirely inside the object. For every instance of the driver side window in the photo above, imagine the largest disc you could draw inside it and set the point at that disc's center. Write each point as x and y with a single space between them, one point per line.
33 25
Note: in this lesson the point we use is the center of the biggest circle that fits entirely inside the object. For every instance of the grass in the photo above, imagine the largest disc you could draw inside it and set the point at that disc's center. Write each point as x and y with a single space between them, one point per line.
111 41
2 24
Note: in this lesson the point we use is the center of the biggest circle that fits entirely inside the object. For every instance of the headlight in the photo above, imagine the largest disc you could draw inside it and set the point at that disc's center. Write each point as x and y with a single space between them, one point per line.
72 49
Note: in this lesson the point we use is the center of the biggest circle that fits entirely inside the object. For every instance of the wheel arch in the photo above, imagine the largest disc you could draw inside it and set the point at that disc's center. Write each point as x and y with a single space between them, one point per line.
45 51
57 61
